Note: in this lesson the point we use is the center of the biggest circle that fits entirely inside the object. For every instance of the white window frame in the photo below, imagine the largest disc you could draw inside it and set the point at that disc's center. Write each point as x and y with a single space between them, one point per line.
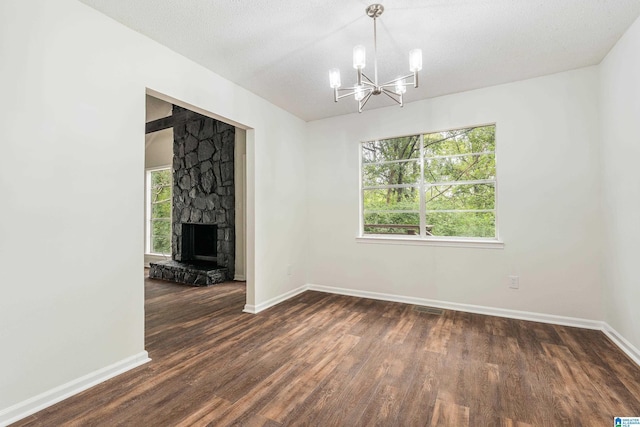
422 238
147 208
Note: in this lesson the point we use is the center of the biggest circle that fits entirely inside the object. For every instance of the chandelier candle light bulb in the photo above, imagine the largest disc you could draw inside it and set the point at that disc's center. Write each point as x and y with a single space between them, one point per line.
359 62
366 87
334 78
359 57
415 60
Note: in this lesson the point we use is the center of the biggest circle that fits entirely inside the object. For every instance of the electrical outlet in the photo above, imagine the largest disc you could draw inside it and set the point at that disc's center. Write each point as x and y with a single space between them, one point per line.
514 282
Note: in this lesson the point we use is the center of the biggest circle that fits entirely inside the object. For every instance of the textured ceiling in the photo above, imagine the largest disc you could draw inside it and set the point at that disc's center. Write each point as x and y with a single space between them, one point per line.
282 49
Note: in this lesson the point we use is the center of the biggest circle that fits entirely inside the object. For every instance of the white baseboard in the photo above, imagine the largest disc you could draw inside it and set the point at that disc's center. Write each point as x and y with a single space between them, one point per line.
239 278
37 403
255 309
622 343
477 309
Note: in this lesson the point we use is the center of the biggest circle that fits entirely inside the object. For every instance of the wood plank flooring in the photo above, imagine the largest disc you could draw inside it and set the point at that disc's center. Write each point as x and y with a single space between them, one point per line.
328 360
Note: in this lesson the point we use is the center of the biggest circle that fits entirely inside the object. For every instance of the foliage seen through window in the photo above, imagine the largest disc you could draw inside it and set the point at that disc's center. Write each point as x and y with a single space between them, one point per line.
160 182
439 184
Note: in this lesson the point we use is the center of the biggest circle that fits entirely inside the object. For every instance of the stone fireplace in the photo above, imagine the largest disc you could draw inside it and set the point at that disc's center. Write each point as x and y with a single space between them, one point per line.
203 217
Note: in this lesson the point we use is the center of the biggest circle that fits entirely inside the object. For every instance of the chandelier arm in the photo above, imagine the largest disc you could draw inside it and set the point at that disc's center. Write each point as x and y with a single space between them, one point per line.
368 79
390 93
352 89
345 95
394 81
363 101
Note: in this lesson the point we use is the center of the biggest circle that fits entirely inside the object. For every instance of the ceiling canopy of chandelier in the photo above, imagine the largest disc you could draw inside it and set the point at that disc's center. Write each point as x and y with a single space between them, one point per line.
366 87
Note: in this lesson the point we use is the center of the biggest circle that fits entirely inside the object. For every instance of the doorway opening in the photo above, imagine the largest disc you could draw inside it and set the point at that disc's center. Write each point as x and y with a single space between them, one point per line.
202 233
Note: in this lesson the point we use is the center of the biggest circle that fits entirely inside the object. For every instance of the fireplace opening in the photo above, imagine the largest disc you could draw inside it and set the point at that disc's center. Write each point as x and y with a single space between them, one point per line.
199 242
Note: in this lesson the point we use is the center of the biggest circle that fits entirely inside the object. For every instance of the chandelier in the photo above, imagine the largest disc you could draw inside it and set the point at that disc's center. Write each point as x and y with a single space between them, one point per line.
366 87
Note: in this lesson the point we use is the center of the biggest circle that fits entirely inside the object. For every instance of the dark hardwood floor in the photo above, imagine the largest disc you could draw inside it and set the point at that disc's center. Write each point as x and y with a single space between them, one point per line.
327 360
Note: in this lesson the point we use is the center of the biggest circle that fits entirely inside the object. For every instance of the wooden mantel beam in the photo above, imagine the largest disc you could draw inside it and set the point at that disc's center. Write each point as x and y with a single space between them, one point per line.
175 119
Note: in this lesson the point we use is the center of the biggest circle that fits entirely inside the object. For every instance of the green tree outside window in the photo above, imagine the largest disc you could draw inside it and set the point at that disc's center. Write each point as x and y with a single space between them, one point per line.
160 183
439 184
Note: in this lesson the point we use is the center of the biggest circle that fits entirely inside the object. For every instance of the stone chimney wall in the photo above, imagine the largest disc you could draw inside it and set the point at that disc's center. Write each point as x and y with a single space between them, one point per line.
203 187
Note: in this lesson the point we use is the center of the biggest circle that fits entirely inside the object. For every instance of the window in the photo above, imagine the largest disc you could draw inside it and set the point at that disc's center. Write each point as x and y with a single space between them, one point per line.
159 183
435 185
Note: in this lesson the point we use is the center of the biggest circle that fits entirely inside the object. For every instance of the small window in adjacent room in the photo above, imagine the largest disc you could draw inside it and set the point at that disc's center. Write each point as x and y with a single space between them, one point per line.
430 186
159 183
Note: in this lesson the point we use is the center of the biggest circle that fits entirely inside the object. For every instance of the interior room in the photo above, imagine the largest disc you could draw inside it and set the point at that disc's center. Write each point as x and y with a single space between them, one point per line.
368 283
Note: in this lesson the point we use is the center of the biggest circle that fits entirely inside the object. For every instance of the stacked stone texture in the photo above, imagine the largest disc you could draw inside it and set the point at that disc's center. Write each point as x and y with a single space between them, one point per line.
186 273
203 186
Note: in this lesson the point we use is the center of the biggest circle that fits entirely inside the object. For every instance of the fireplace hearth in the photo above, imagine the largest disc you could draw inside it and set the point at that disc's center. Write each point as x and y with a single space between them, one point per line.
197 273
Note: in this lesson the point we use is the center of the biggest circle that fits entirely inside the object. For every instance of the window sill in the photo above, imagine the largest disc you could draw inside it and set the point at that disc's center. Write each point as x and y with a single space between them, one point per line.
456 243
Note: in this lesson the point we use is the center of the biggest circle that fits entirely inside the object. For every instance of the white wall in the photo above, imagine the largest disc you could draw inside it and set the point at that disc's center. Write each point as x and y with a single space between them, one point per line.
158 145
71 177
159 149
239 173
548 201
620 151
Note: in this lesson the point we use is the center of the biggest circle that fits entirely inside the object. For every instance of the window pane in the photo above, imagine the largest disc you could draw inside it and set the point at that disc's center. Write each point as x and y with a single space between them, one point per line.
464 168
392 223
462 224
161 237
461 141
161 193
407 147
161 178
160 211
392 199
391 173
460 197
